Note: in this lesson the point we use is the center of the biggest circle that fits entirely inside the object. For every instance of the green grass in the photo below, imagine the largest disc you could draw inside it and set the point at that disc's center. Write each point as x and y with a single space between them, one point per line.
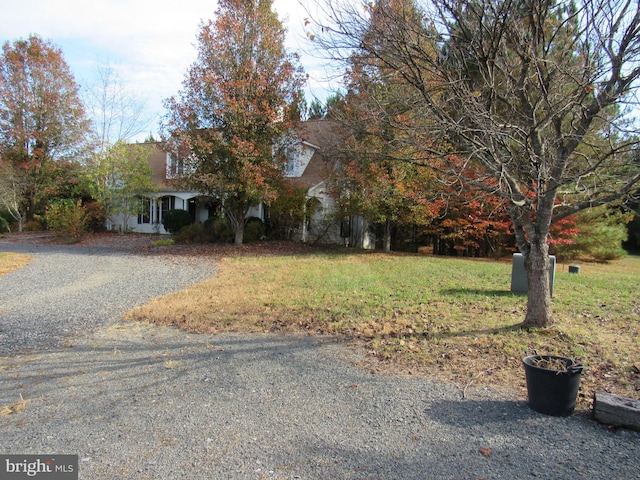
164 242
447 317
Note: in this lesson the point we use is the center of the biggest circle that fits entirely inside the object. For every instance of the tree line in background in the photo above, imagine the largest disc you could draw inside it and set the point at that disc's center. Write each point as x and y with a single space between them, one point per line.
474 126
523 100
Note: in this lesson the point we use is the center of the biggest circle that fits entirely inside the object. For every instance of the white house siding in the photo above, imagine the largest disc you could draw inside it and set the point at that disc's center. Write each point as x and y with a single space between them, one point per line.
256 211
359 234
301 156
151 220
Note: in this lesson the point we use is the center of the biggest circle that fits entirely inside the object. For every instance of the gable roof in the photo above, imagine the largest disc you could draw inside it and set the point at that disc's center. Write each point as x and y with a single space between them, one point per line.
158 162
324 137
320 135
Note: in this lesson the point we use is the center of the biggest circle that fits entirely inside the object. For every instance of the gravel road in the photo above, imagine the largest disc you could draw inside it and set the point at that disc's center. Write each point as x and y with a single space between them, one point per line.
143 402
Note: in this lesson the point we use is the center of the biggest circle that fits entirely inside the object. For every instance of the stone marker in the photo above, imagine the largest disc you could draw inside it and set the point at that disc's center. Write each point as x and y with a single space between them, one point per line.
519 282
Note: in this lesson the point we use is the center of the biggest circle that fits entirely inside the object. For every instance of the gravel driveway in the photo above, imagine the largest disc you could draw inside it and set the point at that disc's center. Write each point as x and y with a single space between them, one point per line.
144 402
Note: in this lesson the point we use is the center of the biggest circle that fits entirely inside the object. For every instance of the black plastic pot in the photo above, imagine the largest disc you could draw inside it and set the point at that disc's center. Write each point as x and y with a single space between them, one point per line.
552 392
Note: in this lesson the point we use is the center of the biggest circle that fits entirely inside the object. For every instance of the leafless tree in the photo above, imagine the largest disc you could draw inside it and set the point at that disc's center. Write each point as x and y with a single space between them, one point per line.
535 97
118 113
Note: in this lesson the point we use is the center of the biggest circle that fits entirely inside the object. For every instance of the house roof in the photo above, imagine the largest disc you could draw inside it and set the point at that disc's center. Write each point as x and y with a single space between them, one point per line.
158 163
321 135
324 137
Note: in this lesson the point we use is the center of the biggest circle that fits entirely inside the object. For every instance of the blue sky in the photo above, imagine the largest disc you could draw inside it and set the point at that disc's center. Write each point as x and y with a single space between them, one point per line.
150 43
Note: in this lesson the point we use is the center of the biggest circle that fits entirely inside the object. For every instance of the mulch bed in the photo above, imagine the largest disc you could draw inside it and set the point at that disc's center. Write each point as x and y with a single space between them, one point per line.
144 243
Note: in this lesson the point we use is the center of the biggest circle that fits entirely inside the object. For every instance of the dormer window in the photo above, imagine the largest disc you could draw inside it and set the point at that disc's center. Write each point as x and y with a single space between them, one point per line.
298 158
292 164
175 167
179 167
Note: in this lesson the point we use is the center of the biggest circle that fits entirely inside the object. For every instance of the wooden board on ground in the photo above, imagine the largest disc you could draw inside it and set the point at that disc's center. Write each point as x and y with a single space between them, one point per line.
616 410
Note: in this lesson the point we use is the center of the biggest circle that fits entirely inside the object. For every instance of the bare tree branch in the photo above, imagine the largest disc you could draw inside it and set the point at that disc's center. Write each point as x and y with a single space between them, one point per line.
534 95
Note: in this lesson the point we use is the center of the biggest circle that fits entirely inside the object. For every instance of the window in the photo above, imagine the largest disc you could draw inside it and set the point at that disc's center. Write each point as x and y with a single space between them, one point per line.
145 210
175 167
179 167
168 203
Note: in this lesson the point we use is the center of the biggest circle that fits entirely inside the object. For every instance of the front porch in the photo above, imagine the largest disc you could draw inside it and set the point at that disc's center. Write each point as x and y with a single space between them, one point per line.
149 220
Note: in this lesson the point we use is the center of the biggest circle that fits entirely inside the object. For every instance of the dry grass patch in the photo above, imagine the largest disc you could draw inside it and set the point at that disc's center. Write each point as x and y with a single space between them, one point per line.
12 261
17 407
445 317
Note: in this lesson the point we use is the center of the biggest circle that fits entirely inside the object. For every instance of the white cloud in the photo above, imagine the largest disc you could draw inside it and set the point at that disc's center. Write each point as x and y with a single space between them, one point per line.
151 43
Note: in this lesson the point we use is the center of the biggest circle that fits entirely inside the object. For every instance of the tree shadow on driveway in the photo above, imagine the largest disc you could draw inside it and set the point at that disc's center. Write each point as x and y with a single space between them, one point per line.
138 401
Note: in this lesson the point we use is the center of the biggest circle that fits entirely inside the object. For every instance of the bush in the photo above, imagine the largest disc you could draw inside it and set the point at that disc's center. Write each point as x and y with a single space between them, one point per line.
174 220
4 225
164 242
208 224
68 219
220 229
253 230
96 220
194 233
32 226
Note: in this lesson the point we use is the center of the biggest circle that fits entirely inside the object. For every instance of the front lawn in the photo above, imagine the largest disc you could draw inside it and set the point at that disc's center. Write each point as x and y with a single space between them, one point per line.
450 318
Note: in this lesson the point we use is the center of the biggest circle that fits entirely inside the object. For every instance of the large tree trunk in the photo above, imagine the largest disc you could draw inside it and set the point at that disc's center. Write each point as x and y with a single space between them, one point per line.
532 242
239 236
536 262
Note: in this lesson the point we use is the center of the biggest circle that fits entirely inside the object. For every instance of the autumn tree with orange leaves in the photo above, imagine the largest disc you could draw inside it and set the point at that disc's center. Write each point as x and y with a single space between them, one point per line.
240 97
42 124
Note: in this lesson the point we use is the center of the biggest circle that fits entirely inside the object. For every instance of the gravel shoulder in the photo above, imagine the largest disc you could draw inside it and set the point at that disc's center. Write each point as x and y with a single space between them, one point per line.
144 402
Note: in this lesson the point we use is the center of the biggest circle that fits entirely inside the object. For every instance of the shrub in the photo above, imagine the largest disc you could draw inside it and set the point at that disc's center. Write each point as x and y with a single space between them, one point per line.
194 233
253 230
68 219
208 223
32 226
164 242
96 220
220 229
4 225
174 220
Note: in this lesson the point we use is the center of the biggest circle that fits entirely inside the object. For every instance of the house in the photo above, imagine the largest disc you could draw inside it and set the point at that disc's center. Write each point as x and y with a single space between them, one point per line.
168 195
315 158
313 155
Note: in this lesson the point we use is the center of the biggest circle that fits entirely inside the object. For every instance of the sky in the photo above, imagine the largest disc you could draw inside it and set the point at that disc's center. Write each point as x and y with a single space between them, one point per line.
149 43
